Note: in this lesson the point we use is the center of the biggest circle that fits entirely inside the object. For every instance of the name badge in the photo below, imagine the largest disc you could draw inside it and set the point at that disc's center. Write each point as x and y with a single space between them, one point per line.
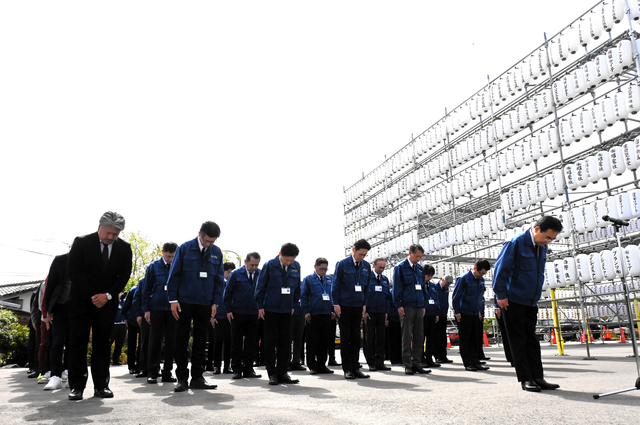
431 302
285 291
418 287
358 288
325 297
165 287
203 275
378 288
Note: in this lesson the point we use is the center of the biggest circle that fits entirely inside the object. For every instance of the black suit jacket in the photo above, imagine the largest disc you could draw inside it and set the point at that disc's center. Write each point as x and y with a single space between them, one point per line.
88 277
55 281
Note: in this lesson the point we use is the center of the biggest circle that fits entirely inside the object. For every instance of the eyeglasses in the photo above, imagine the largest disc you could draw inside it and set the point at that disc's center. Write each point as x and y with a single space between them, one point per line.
323 269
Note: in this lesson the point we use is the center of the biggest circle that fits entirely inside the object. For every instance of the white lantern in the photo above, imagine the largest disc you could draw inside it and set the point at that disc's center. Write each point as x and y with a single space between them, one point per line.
486 226
617 160
569 267
582 265
558 271
586 123
623 201
565 132
530 191
608 111
540 189
500 218
602 69
506 202
580 85
591 168
631 157
607 16
604 164
493 222
543 144
620 106
597 117
615 67
559 93
518 156
634 9
600 209
570 176
634 199
608 268
576 220
581 173
564 217
595 24
595 267
588 217
618 259
550 275
590 74
632 258
611 206
625 54
633 98
554 141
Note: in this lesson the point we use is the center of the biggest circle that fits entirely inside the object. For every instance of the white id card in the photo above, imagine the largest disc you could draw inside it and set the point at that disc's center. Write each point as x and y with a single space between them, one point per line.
285 291
325 297
203 275
165 287
358 288
431 302
378 288
418 287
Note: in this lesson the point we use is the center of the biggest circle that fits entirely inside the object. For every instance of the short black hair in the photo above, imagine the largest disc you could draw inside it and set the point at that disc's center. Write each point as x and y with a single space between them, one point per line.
253 256
229 266
482 265
429 270
547 222
170 247
289 250
378 259
361 244
210 229
321 260
415 248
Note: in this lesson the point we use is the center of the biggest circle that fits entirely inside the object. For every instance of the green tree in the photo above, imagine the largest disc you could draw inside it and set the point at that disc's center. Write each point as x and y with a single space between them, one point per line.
144 252
13 339
231 256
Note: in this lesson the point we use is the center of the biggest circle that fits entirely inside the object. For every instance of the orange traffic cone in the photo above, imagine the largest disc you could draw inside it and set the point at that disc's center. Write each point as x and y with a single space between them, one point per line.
553 337
486 341
623 338
582 338
448 342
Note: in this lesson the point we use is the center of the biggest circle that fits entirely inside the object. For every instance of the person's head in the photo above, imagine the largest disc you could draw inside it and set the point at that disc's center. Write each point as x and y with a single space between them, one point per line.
546 230
379 265
209 232
360 249
429 271
109 227
288 253
169 251
321 266
252 261
415 253
480 268
446 281
228 268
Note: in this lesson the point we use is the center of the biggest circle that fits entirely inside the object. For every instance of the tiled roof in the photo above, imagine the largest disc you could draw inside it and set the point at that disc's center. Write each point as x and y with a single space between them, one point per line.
16 288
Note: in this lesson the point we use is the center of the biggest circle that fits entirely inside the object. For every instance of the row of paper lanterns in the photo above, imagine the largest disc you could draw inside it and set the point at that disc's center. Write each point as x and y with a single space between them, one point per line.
478 228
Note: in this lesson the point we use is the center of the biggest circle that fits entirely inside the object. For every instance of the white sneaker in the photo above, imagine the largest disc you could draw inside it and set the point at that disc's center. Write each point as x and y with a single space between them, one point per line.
43 379
65 375
55 383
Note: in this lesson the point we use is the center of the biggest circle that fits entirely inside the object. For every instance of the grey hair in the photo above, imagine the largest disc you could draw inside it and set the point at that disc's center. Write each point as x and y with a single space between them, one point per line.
112 219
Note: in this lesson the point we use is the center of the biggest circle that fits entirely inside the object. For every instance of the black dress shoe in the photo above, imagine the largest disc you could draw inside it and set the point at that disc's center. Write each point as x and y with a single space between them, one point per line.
359 374
251 374
141 375
420 369
373 369
75 394
236 375
485 358
34 375
132 372
383 367
103 393
216 371
152 380
273 380
349 375
432 364
313 371
409 371
286 379
181 386
333 363
471 368
445 360
227 369
481 362
530 386
201 384
297 366
168 378
480 367
325 369
544 385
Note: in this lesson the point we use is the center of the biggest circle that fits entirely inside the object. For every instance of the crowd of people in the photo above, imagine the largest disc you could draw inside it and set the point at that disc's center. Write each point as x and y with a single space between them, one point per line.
190 299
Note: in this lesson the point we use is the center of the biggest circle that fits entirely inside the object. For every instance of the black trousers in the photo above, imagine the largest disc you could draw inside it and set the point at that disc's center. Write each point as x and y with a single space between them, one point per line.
394 342
163 325
520 321
98 324
374 331
244 328
429 325
350 318
505 338
332 347
469 339
277 340
209 345
320 334
32 347
259 344
201 316
222 343
144 344
296 334
118 335
132 346
480 329
60 340
440 340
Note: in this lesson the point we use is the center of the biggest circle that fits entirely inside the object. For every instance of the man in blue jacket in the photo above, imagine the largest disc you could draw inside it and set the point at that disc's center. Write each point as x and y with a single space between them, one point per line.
317 307
144 329
133 331
517 283
441 326
277 289
242 313
431 317
409 295
157 313
468 299
377 303
195 283
220 333
350 286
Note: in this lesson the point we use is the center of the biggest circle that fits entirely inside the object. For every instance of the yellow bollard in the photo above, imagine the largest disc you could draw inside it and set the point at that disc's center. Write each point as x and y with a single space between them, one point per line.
556 324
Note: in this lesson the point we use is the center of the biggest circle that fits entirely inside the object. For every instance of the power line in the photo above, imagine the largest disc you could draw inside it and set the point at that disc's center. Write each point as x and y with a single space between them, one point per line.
27 250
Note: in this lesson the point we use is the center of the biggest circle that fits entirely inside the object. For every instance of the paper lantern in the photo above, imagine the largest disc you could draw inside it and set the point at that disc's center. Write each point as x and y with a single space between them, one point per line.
547 101
581 173
608 111
558 271
568 86
569 268
582 266
599 210
559 93
632 259
564 217
543 143
542 62
585 123
625 54
498 130
604 164
478 227
588 215
493 169
597 118
623 201
615 67
590 74
580 85
486 226
602 69
631 157
611 206
576 220
506 202
550 275
618 261
633 98
530 111
540 189
515 199
570 176
554 141
500 219
493 222
494 89
634 9
617 160
606 16
595 24
518 156
608 268
634 200
620 106
591 168
530 192
595 267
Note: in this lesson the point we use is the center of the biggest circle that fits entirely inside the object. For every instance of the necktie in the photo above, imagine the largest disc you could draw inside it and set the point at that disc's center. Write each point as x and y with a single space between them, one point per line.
357 264
284 271
251 278
321 279
378 278
203 251
414 267
105 255
537 249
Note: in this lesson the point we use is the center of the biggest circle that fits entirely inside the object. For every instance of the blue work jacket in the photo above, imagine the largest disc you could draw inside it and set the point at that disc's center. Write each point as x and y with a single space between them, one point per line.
378 295
518 275
186 285
405 280
270 283
155 295
128 310
432 303
468 294
443 300
345 280
239 295
137 298
221 311
312 292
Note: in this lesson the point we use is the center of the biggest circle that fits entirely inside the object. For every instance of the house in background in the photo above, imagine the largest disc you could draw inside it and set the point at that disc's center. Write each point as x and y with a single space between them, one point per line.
16 297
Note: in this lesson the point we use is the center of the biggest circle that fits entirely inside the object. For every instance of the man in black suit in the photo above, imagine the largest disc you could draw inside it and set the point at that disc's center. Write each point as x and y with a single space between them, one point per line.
99 268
